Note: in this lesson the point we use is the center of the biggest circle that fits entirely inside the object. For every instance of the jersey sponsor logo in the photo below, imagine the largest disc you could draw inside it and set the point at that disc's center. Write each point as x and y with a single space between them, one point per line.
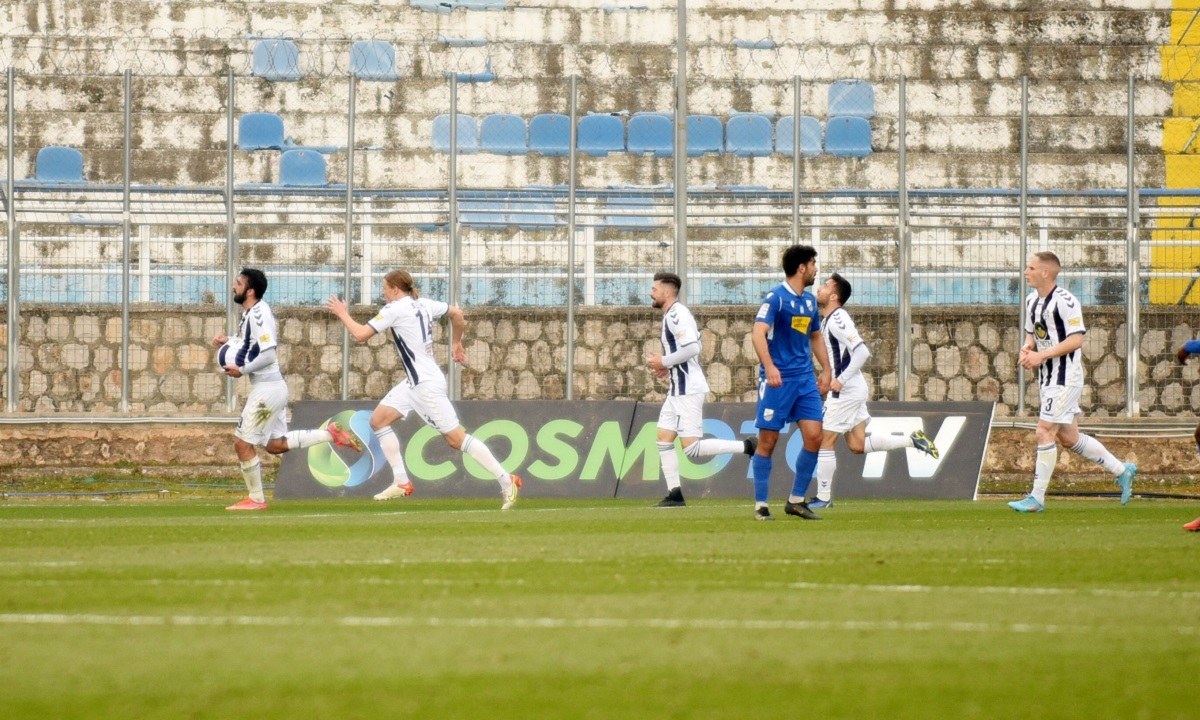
377 318
800 323
264 338
1075 322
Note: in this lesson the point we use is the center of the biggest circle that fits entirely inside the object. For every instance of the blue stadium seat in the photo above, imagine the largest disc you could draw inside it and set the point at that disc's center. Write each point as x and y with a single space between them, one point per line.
848 137
705 134
601 134
503 134
276 59
531 212
748 135
485 214
550 134
468 134
305 168
810 136
260 131
854 98
631 204
486 75
59 165
651 133
373 60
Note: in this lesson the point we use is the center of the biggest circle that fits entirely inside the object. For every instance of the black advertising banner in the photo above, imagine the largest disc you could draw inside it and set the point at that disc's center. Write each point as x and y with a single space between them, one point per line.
608 448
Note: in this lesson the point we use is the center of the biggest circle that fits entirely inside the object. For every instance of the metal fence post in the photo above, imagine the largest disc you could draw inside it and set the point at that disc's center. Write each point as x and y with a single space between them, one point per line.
1133 288
904 255
13 369
231 232
348 250
1023 215
455 260
572 179
681 110
126 254
796 159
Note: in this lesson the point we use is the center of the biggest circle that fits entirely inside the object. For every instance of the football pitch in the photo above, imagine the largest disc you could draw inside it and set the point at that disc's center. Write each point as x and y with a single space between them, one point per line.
598 609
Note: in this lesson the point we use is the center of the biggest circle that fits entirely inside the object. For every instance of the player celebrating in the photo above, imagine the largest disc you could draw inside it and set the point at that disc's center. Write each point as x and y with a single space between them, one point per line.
263 424
786 336
682 413
846 403
1054 347
410 318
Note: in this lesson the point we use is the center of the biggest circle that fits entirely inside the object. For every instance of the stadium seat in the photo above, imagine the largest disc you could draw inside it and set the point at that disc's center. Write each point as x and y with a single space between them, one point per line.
531 212
485 214
651 133
468 134
810 136
373 60
748 135
503 134
305 168
276 59
550 134
705 134
848 137
486 75
601 134
854 98
764 44
260 131
58 164
631 204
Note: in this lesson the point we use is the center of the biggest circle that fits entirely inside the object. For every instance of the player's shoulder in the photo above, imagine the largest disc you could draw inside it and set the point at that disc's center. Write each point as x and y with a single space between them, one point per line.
1065 296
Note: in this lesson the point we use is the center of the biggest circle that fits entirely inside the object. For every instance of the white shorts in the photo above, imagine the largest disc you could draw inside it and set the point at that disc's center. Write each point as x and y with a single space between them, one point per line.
683 415
1060 404
429 400
843 414
265 415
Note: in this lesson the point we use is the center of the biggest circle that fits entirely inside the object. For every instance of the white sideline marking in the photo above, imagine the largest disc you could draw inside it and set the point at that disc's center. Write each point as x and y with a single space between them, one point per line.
999 590
563 623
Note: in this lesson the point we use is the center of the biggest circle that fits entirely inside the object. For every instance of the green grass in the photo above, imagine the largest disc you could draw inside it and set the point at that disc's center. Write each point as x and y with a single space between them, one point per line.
430 609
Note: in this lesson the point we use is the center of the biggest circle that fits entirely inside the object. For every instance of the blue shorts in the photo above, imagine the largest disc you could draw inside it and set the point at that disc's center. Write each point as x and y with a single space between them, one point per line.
797 399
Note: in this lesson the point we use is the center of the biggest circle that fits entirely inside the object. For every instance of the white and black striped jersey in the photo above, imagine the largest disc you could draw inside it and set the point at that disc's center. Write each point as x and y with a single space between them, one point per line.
679 330
257 332
841 337
411 324
1051 320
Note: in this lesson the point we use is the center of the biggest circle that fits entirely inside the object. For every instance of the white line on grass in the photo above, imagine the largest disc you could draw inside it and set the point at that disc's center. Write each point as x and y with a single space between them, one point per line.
553 623
998 590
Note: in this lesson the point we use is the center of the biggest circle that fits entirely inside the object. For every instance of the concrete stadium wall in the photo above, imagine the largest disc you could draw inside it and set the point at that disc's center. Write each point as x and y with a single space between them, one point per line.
963 61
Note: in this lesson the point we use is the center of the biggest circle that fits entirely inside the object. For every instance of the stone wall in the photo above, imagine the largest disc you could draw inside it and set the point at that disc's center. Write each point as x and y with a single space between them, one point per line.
70 357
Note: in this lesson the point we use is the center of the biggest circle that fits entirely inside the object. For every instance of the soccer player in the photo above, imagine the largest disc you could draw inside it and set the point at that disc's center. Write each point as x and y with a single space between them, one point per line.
1191 347
846 403
682 413
786 336
409 319
263 423
1053 346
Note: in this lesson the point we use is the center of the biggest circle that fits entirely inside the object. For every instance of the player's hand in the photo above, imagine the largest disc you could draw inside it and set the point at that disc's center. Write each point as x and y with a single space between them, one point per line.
219 339
336 305
774 379
233 371
1182 354
1030 359
661 373
459 353
654 361
835 385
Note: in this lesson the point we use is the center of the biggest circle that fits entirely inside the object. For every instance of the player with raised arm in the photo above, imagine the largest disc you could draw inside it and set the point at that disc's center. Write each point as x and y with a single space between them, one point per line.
1053 346
408 319
846 402
251 352
682 413
786 336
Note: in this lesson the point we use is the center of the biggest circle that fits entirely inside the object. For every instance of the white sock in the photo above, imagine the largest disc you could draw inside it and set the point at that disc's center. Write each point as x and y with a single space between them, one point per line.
1092 449
882 442
297 439
252 474
1046 458
482 455
826 464
391 450
670 464
712 446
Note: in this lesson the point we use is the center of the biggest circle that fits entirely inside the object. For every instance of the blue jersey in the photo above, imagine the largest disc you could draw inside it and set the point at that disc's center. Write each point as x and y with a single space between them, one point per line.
791 319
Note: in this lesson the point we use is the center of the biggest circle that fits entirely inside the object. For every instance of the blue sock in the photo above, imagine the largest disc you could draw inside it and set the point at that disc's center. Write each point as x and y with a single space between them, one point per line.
806 463
762 477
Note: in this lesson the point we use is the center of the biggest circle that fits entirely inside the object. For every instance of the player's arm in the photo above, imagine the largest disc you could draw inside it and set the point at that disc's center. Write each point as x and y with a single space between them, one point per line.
458 327
265 358
817 342
1191 347
758 337
858 358
341 309
1069 344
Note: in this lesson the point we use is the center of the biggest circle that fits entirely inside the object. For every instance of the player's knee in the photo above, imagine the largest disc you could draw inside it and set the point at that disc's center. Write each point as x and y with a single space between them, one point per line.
277 446
766 444
692 450
856 445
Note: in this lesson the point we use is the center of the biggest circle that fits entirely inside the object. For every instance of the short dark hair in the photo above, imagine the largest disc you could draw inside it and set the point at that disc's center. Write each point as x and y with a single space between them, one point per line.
1048 257
842 286
257 281
795 256
668 278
